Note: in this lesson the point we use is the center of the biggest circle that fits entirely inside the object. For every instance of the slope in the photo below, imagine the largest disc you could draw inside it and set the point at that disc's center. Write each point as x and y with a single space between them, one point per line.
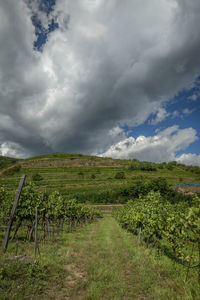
74 174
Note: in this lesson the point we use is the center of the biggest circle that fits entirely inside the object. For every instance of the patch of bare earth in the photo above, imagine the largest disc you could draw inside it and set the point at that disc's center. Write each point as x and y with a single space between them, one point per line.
75 277
188 190
72 284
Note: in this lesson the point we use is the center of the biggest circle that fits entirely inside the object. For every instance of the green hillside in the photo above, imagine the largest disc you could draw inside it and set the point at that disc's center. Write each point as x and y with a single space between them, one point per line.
6 162
86 176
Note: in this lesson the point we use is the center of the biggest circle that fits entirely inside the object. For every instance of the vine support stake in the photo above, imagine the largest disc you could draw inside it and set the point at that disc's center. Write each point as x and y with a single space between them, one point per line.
139 234
36 227
12 214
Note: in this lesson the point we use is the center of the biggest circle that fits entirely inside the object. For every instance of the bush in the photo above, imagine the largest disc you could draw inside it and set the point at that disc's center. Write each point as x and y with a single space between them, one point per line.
120 175
170 167
144 166
37 177
147 166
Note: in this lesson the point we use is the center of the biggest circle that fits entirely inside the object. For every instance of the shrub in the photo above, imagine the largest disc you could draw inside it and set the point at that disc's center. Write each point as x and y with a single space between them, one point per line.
147 166
120 175
170 167
37 177
144 166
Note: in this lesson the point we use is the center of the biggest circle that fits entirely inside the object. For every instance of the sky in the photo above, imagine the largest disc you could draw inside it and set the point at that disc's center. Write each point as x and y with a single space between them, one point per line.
111 78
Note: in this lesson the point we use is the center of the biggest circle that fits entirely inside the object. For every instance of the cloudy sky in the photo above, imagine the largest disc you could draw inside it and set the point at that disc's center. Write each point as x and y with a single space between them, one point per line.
107 77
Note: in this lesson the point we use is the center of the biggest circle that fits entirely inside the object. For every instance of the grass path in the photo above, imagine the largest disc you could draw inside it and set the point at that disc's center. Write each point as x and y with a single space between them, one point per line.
102 261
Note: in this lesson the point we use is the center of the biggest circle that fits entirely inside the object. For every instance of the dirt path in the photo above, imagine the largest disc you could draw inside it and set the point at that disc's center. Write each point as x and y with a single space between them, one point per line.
104 262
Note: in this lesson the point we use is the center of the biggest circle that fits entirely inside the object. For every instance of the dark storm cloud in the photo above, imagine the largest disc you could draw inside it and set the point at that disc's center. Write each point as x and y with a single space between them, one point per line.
109 63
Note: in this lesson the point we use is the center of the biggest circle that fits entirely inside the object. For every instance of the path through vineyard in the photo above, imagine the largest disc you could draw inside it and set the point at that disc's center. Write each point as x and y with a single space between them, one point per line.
102 261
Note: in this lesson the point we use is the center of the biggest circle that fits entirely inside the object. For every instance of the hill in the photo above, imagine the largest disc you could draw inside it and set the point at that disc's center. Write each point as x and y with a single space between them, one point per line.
6 162
91 177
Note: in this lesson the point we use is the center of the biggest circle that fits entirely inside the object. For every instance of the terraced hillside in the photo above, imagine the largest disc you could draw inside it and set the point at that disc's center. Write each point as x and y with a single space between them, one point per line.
6 162
76 174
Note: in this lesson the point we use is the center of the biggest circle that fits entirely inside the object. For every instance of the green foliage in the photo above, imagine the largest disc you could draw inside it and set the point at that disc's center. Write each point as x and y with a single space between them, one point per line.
6 201
120 175
20 279
194 169
6 161
13 170
29 200
124 193
54 206
174 225
170 167
147 166
160 184
105 196
80 212
37 177
143 166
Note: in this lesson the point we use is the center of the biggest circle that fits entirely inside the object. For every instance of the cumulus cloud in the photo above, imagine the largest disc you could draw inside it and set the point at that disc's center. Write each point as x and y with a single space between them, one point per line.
109 63
12 150
189 159
158 148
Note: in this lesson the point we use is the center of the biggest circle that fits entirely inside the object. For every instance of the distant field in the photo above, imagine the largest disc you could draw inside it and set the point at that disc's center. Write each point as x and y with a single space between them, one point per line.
75 173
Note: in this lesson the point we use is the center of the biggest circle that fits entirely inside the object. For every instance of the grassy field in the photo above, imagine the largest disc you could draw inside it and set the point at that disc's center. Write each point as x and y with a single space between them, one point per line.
97 261
75 173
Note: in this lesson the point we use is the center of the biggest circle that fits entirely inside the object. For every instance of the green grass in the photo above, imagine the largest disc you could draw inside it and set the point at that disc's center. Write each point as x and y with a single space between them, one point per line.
97 261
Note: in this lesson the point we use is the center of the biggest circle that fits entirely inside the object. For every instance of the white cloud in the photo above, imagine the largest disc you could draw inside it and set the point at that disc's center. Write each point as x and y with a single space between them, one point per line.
188 111
189 159
161 115
116 131
194 97
175 114
12 150
160 147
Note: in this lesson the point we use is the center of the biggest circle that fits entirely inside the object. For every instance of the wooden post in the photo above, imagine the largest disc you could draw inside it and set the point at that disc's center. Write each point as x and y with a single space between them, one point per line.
15 203
36 226
139 234
16 249
48 227
32 227
16 230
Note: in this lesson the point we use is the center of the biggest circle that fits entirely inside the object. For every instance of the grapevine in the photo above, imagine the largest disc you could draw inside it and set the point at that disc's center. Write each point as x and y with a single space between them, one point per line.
174 227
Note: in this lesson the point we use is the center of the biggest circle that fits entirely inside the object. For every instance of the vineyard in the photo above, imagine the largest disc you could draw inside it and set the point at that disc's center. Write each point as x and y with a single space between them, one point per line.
74 217
37 212
90 178
172 228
